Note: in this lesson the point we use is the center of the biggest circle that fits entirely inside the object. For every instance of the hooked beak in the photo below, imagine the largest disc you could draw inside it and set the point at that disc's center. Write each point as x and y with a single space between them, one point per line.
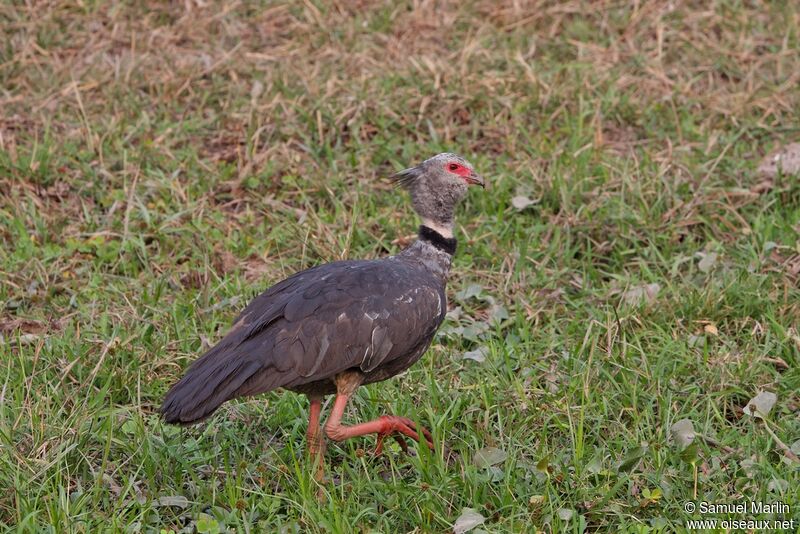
475 179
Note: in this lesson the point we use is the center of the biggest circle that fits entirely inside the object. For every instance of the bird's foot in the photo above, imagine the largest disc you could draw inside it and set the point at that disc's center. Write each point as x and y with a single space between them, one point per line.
393 425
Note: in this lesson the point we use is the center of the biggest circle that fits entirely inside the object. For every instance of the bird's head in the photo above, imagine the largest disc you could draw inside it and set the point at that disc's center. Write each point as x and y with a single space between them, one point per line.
436 186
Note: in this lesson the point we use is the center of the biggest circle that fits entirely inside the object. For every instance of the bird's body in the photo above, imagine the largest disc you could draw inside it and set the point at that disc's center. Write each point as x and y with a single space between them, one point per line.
334 327
374 316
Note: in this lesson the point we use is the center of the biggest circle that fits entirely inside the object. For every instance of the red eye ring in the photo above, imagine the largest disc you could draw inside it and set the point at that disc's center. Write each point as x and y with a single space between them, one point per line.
457 169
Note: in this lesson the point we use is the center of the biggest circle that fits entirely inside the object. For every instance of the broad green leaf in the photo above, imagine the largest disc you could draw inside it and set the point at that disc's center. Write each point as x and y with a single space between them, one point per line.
689 454
632 459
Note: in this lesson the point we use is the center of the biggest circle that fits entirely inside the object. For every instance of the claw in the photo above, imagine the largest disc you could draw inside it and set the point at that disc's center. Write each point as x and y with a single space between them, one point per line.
399 427
379 445
402 442
386 425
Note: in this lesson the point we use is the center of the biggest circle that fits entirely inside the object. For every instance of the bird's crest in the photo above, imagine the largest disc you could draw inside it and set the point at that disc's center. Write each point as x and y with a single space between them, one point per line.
406 177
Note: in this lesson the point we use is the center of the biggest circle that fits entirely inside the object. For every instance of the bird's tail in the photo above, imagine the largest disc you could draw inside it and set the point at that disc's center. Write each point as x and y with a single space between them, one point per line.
218 376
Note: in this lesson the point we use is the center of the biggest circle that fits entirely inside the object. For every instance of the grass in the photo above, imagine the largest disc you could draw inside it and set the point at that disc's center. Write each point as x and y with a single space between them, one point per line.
160 164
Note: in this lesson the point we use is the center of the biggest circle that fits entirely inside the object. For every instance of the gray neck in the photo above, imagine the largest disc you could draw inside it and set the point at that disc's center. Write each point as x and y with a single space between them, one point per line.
433 259
436 206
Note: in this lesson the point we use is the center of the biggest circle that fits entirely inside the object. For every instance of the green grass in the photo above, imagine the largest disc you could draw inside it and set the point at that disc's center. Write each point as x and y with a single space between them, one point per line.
160 166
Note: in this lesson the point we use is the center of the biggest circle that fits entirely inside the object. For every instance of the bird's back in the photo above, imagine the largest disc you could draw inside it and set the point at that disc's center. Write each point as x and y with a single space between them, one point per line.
377 316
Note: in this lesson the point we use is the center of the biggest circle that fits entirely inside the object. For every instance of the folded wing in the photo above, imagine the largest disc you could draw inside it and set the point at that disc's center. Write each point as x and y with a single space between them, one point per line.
311 326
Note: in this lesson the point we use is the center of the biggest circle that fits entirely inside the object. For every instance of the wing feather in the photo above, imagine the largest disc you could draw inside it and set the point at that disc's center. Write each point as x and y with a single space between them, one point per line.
311 326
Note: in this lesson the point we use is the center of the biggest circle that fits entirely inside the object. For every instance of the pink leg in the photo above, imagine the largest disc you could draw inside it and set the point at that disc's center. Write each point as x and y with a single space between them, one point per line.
383 426
314 439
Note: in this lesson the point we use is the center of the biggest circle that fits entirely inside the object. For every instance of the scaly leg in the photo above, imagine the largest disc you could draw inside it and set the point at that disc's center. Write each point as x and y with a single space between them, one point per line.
382 426
315 441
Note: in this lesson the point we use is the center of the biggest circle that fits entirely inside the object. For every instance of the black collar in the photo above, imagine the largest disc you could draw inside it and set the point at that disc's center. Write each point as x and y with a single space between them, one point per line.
445 244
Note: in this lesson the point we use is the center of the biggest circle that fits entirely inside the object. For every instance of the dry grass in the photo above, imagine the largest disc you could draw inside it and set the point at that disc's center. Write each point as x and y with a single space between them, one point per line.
162 161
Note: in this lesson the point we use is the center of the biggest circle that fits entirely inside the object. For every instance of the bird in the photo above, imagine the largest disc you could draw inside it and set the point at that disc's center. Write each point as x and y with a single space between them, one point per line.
335 327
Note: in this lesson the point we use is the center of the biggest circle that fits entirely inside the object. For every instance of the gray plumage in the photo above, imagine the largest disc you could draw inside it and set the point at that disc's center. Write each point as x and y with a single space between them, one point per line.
374 316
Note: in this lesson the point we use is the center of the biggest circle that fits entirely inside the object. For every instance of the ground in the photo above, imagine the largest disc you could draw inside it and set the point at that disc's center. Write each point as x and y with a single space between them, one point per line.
629 268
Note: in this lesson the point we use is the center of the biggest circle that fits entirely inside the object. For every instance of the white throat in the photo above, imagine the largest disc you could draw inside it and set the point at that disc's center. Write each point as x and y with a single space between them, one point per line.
444 231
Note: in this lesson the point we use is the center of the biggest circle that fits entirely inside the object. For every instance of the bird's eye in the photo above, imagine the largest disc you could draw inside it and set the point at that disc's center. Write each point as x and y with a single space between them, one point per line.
454 166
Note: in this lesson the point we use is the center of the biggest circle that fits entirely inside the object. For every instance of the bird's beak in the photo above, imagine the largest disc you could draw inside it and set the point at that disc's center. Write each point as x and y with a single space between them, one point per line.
476 179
